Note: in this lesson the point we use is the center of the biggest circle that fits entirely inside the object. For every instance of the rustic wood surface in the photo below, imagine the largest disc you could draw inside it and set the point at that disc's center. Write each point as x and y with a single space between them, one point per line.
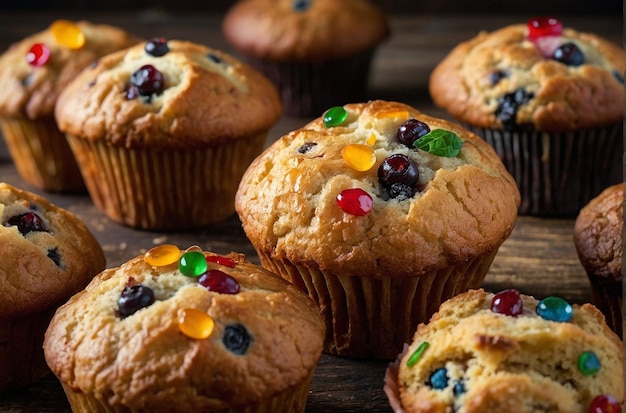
539 258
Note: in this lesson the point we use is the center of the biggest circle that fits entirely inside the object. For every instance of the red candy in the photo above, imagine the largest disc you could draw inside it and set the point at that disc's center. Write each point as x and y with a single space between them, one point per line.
219 282
355 201
507 302
544 26
605 403
38 55
218 259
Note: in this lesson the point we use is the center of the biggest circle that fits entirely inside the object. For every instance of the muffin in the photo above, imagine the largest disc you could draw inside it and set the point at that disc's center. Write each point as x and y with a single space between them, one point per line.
163 131
509 352
377 231
317 52
550 100
186 331
33 72
598 241
48 254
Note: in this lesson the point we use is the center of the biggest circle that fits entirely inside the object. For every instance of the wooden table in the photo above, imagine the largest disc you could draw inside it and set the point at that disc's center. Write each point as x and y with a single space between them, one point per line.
539 258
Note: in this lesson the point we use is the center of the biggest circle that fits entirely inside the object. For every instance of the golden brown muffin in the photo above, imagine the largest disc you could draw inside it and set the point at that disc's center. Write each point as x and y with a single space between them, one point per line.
186 332
33 73
48 254
598 241
509 352
162 137
318 52
378 255
551 102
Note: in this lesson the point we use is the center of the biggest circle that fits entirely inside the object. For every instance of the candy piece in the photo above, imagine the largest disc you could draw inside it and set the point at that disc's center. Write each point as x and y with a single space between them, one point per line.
335 116
543 26
192 264
588 363
359 157
555 309
410 131
417 354
27 222
157 47
439 379
218 259
355 201
440 142
219 282
195 323
162 255
371 140
134 298
507 302
38 55
396 114
605 403
236 339
67 34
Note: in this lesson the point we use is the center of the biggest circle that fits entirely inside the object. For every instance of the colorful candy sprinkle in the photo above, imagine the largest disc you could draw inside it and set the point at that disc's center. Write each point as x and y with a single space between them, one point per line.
417 354
355 201
195 323
371 140
588 363
162 255
507 302
335 116
359 157
605 403
219 282
67 34
38 55
555 309
192 264
221 260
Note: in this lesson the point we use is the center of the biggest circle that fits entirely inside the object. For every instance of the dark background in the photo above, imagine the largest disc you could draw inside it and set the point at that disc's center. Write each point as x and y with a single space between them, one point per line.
553 7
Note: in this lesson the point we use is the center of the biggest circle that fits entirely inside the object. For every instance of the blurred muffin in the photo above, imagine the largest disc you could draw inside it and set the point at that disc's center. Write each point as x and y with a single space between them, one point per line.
163 131
512 353
317 52
377 231
186 332
48 254
550 100
598 241
33 72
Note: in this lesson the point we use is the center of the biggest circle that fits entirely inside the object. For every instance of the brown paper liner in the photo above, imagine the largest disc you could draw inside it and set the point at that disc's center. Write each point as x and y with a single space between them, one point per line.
22 359
165 190
370 317
291 400
391 387
607 296
559 173
41 154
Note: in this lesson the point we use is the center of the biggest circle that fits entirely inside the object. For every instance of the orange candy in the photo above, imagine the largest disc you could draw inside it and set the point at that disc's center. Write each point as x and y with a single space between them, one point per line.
195 323
67 34
162 255
358 156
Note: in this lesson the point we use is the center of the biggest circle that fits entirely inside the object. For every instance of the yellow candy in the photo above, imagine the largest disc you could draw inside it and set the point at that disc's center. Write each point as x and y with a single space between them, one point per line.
67 34
162 255
195 323
399 114
358 156
371 140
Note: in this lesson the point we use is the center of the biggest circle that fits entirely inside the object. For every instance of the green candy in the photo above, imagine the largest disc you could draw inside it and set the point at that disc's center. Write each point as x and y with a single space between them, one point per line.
417 354
192 264
335 116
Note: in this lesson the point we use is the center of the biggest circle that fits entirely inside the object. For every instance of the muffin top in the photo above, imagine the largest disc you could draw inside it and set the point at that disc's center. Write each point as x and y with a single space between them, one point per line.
47 253
168 95
34 71
510 352
539 76
346 193
304 30
598 234
185 331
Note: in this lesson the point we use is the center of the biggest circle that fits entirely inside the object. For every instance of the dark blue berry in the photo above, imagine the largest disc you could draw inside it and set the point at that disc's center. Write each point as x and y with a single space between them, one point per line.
618 76
157 47
399 175
306 147
301 5
28 222
53 254
459 388
411 130
496 76
569 54
236 339
401 192
214 58
148 80
439 379
508 105
134 298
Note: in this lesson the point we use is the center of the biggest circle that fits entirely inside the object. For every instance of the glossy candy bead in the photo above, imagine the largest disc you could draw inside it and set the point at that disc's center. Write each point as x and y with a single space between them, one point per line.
134 298
507 302
67 34
605 403
543 27
27 222
236 339
195 323
162 255
157 47
371 141
411 130
192 264
335 116
358 157
38 55
439 379
417 354
588 363
219 282
355 201
218 259
555 309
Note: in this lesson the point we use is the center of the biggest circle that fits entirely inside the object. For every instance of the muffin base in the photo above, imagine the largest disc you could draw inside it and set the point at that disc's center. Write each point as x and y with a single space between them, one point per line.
373 318
41 154
607 296
165 190
559 173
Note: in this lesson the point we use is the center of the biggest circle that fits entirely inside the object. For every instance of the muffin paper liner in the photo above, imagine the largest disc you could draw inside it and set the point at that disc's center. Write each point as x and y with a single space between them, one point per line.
559 173
41 154
372 318
391 388
607 296
165 190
